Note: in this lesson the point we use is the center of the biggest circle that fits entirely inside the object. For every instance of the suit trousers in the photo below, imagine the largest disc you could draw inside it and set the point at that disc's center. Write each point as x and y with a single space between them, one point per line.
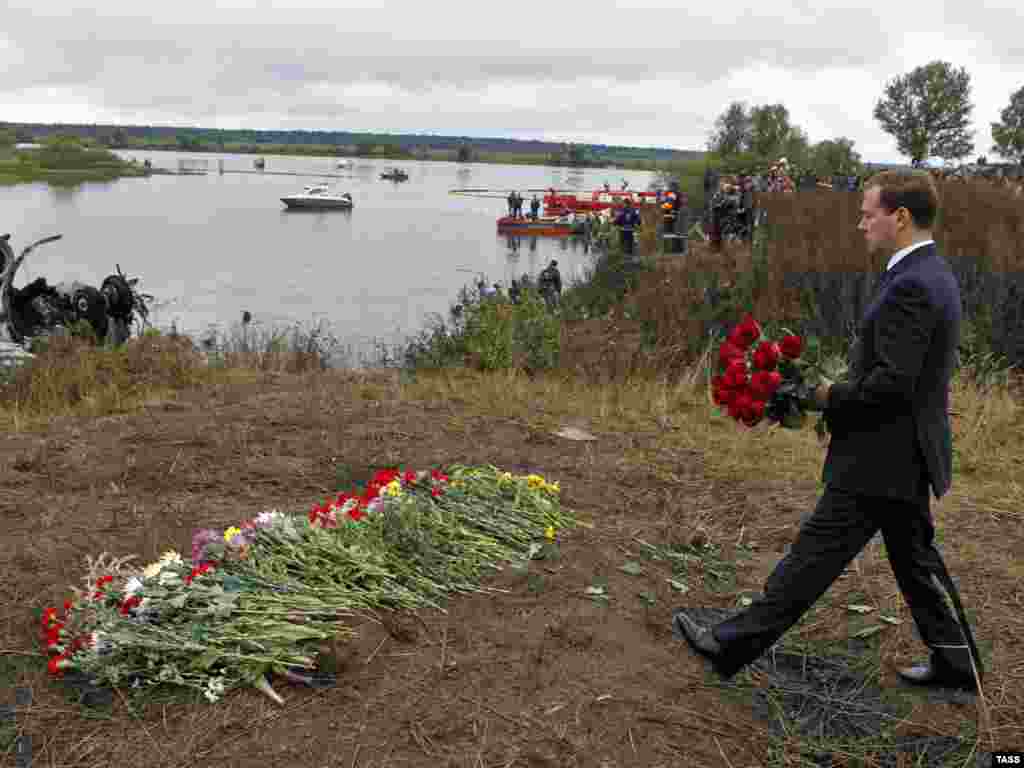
842 524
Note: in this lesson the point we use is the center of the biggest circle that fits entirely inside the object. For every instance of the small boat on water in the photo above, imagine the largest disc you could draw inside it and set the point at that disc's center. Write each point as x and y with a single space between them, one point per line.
598 200
395 174
318 197
554 226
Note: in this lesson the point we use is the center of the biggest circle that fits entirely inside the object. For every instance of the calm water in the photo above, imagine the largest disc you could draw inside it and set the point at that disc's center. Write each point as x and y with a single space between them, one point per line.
209 247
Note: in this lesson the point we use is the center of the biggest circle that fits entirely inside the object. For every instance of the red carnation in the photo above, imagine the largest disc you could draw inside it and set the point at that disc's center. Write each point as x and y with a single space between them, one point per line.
129 603
409 478
57 664
766 357
792 346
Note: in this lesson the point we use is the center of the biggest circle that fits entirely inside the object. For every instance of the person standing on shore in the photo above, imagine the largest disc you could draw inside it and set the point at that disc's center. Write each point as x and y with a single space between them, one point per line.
628 222
891 442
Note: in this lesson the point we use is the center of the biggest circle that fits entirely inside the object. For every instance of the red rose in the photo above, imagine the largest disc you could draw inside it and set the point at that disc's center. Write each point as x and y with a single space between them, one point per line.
742 405
754 413
747 332
728 352
721 395
766 357
734 410
736 374
792 346
764 383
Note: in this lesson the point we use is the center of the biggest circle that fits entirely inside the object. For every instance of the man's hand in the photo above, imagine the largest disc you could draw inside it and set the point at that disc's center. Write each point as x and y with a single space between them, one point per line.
821 396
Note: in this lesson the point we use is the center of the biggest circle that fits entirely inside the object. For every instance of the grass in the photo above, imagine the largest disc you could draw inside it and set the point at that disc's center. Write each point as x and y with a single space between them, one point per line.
63 165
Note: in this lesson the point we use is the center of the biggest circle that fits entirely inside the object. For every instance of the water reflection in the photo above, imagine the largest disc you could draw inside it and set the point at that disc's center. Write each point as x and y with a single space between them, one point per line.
64 194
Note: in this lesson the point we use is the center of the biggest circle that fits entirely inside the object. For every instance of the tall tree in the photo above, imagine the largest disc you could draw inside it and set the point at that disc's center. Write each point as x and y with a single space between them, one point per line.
833 156
770 130
928 112
1008 134
732 131
797 147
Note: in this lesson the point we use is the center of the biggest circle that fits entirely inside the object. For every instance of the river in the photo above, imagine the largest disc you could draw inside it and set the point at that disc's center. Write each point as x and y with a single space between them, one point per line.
209 247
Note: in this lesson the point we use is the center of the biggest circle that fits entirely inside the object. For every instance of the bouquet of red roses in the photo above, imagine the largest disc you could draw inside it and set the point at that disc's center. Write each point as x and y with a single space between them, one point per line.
765 380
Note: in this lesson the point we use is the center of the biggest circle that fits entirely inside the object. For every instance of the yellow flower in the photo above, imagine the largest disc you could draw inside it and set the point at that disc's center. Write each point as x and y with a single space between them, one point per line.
535 481
549 533
152 570
553 487
170 556
394 488
505 477
231 532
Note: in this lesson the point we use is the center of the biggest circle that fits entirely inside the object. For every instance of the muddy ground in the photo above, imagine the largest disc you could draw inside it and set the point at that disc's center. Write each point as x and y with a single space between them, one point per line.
542 676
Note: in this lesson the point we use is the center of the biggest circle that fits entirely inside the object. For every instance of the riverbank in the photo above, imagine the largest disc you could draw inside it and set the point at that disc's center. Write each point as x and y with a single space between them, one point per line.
128 451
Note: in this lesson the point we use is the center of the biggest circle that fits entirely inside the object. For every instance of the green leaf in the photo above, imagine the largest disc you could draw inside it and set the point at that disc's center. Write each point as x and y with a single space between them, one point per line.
890 619
177 601
594 591
646 597
631 567
206 659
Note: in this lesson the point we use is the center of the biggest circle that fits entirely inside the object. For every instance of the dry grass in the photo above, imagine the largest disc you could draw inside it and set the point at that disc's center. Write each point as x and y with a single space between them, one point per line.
70 376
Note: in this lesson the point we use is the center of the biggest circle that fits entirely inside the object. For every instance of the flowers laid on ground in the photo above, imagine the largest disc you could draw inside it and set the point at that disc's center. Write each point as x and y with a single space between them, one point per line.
760 378
256 599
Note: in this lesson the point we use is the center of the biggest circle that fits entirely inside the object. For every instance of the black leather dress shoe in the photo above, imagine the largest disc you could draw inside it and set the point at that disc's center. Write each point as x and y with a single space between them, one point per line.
700 639
938 676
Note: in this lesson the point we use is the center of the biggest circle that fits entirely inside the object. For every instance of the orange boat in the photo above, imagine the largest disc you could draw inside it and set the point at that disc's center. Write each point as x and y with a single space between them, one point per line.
556 203
545 225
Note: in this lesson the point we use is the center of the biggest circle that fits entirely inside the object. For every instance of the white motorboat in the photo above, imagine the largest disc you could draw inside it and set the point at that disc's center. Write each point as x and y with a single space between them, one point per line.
318 197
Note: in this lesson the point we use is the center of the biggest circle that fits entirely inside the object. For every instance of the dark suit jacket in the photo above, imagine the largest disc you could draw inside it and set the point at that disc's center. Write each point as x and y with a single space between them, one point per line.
890 423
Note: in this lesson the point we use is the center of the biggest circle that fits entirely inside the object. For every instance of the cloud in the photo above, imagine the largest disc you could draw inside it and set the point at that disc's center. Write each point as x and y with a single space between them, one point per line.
600 72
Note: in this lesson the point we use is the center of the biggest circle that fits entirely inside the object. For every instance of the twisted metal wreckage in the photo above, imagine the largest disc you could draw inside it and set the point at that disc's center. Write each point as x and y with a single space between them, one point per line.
40 309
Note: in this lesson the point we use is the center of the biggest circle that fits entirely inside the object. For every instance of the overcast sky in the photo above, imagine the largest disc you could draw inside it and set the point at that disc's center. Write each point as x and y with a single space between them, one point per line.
594 72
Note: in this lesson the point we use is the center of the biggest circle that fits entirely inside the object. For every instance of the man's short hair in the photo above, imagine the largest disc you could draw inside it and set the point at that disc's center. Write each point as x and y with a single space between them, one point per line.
910 189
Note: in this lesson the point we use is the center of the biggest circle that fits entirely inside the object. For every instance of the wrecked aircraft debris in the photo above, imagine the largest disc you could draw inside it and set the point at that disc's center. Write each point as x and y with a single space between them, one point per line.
40 309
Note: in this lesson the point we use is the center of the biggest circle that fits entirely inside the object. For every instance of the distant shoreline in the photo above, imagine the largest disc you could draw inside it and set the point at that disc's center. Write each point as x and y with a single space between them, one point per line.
334 153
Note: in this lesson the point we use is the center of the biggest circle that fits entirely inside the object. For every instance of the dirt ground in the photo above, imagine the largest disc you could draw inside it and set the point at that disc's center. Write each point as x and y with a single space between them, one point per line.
542 676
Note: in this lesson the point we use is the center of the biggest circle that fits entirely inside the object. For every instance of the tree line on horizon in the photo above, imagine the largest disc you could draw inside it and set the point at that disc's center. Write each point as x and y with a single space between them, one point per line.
926 110
216 139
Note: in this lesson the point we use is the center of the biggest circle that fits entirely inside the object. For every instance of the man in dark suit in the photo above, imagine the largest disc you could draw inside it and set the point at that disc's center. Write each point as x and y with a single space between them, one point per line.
891 441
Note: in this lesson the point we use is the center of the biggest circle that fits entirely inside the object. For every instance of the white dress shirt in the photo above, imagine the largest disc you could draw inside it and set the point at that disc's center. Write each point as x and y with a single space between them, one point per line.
904 251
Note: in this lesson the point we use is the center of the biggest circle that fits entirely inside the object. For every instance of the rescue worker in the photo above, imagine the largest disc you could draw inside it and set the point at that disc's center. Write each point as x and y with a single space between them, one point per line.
513 291
512 204
534 207
628 222
550 284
